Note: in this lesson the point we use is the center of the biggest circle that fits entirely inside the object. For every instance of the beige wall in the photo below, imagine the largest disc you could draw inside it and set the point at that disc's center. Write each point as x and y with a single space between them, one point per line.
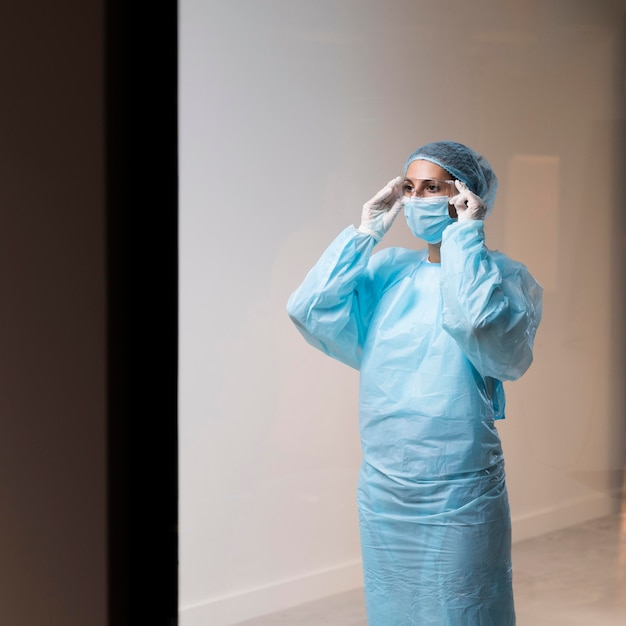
292 115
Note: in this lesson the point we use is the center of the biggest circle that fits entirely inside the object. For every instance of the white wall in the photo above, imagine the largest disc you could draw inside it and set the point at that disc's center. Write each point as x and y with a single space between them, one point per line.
292 114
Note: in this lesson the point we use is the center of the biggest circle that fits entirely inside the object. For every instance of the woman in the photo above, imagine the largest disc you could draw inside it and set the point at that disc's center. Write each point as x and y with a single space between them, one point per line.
434 333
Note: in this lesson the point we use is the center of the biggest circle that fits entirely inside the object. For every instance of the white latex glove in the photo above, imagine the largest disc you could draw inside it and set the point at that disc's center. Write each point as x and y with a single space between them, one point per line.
379 212
467 204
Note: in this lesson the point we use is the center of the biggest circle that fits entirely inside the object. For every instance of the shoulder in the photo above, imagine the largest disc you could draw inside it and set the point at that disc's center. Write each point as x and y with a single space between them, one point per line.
506 264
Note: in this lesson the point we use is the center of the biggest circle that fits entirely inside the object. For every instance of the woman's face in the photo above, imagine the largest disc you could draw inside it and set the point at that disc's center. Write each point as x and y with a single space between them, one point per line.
424 178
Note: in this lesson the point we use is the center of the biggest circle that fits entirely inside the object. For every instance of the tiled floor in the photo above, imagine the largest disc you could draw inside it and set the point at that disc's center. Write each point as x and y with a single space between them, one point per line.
570 577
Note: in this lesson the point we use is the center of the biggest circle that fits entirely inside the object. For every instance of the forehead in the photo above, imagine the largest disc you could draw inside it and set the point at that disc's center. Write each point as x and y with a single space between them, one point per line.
425 169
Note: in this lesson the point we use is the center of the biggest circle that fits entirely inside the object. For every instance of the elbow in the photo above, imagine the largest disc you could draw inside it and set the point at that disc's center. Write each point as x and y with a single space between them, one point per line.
295 310
519 368
510 361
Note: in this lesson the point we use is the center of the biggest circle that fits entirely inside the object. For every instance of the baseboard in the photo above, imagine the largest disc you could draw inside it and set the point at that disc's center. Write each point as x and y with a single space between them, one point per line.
565 514
281 595
229 610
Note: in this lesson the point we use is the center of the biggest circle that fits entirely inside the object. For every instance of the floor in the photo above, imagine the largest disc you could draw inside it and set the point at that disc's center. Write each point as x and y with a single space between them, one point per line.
570 577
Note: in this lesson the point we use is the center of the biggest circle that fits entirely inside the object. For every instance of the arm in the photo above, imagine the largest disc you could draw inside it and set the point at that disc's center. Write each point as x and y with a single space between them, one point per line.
491 304
332 307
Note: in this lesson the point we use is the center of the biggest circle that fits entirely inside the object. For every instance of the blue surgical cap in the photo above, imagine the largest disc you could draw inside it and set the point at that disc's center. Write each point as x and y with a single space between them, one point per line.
463 163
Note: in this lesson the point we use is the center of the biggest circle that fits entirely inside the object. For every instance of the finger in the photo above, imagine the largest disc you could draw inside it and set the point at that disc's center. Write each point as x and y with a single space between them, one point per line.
396 183
386 191
480 211
461 186
379 198
393 192
395 188
459 202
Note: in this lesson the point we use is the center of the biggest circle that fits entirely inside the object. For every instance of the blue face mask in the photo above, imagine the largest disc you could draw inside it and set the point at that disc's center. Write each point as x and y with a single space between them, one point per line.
428 217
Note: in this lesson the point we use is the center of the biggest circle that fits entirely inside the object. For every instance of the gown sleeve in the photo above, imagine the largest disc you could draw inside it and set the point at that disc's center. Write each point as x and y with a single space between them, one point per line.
333 305
491 304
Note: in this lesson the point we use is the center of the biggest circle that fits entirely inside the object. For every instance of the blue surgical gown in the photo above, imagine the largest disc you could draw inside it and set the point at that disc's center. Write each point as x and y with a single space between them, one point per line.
433 343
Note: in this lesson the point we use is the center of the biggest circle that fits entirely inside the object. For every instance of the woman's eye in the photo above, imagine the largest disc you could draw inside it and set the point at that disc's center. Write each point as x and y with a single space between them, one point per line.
432 188
407 188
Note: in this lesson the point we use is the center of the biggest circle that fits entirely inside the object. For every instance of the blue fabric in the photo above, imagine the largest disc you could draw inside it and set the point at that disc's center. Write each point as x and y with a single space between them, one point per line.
463 163
433 343
427 218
